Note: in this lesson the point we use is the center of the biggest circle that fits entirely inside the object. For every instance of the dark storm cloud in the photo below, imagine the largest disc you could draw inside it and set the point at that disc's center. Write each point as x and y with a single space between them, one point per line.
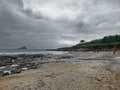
56 23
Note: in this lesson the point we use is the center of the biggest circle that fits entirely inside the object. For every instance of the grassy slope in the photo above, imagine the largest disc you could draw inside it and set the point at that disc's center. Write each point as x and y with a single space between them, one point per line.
105 43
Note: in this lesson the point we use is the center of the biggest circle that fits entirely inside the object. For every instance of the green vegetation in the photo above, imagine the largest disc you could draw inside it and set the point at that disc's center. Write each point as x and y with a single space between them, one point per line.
106 43
107 39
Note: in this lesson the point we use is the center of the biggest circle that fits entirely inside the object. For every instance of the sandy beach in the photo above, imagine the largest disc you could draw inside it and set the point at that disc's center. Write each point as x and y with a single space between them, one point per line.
82 71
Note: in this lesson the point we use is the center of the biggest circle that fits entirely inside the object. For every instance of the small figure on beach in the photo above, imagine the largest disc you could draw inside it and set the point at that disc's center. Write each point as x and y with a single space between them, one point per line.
114 50
96 51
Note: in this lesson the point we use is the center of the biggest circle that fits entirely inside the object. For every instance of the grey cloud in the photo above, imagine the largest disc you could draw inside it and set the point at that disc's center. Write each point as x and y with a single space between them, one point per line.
30 13
53 23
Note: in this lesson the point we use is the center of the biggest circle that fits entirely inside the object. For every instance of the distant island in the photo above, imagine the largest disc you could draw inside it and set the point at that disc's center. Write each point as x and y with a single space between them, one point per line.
107 43
24 47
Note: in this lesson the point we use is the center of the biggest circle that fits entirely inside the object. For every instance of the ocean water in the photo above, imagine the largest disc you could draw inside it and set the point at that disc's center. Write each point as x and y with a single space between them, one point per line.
28 51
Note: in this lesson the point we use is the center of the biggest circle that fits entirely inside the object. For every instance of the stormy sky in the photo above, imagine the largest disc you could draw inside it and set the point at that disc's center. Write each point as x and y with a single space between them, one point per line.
56 23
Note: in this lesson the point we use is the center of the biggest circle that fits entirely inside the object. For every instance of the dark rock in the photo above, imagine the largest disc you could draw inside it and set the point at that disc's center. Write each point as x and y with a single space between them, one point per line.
41 84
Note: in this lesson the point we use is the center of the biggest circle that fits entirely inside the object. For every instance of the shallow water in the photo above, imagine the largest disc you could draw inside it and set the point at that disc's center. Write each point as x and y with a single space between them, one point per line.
29 51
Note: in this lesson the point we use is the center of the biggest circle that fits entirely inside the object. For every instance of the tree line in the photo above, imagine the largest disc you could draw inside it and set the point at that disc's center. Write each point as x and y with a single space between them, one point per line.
107 39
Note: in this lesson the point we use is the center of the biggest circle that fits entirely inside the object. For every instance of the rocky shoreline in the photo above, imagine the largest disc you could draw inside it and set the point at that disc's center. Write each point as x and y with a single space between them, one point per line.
12 64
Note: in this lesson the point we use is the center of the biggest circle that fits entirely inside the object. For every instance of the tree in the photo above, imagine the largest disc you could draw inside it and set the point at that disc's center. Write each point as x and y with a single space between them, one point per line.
82 41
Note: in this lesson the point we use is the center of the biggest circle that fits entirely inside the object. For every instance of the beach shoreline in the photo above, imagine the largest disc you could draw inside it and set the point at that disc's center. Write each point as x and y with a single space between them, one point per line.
71 71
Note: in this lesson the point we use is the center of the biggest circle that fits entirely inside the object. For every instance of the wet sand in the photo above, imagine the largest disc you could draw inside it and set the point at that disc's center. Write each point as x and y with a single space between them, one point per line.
84 71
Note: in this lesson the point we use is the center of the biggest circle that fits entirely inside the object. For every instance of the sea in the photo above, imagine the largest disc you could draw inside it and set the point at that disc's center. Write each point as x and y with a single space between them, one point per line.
29 51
